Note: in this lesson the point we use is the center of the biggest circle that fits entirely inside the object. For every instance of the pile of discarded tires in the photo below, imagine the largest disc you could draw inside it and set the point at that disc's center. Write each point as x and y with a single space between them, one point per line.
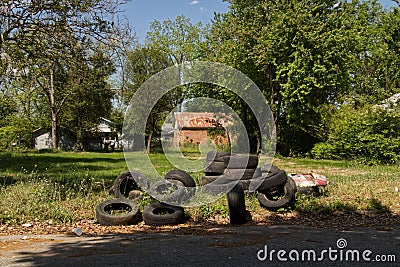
276 191
127 192
227 167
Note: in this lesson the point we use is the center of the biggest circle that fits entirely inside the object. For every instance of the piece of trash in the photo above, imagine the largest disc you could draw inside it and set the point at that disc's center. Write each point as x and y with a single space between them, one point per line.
396 189
27 225
77 231
308 179
24 237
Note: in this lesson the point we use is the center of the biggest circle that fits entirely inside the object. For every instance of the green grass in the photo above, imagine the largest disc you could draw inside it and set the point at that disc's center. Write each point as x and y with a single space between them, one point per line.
352 186
67 186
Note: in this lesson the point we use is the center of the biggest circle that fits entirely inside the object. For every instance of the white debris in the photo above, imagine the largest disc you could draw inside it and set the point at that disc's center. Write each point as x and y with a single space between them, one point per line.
77 231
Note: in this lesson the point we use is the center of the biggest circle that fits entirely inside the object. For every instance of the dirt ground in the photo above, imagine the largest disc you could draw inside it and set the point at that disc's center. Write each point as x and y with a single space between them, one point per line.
345 219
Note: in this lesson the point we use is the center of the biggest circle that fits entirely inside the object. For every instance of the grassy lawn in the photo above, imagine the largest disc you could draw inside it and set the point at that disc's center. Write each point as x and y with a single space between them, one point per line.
67 186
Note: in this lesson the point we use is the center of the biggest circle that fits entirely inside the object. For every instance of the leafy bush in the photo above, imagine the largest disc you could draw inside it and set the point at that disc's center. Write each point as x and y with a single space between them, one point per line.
17 133
324 151
370 135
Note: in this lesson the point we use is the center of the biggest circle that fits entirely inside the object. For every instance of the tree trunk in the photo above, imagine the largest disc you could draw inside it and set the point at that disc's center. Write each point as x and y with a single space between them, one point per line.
271 86
54 122
149 141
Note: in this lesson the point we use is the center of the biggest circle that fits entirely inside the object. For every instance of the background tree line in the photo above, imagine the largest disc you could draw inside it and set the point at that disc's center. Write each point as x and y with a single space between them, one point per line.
323 65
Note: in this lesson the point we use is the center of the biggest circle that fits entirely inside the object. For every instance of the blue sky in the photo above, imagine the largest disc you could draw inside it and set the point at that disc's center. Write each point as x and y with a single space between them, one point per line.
141 13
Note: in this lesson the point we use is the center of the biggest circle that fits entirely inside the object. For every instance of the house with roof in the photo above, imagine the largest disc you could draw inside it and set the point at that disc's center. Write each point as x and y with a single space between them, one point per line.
103 137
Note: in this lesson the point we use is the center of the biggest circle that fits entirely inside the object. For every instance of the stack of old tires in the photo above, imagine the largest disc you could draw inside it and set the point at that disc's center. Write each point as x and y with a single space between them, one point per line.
127 189
276 191
224 168
214 166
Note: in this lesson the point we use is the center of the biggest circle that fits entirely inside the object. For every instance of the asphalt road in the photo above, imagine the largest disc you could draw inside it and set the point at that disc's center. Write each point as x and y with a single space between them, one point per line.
222 246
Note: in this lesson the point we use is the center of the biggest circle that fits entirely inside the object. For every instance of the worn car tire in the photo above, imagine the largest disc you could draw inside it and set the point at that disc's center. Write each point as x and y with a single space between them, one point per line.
182 176
167 191
217 156
126 182
293 184
214 167
278 197
135 195
239 174
105 218
246 185
163 214
268 168
312 190
208 179
257 173
272 180
236 204
241 162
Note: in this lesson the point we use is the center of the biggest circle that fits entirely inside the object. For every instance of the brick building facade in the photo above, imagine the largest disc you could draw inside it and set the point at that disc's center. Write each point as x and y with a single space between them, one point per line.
193 128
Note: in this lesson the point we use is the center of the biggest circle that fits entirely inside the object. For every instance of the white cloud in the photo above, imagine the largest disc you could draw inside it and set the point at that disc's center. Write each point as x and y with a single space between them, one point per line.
194 2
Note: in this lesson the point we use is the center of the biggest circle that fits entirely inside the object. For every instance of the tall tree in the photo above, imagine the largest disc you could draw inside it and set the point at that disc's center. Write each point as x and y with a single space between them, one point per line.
142 63
168 43
179 39
48 37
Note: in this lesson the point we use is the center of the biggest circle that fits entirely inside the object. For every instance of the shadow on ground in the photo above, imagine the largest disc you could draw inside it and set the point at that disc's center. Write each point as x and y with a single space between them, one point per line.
216 246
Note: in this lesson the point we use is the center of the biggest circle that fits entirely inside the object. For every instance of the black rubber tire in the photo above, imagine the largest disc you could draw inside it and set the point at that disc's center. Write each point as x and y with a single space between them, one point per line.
245 184
167 191
293 184
268 168
257 173
105 218
242 174
236 204
241 162
214 168
285 195
274 179
182 176
135 195
312 190
220 179
172 215
175 182
208 179
126 182
217 156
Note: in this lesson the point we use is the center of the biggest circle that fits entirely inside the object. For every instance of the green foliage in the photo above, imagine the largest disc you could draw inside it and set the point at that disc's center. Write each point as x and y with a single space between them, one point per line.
17 132
56 57
179 39
91 98
211 210
370 134
324 151
309 55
